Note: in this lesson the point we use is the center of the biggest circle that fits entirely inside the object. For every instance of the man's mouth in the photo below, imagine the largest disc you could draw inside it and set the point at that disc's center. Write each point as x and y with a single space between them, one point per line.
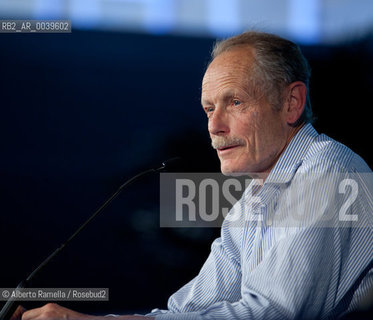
226 148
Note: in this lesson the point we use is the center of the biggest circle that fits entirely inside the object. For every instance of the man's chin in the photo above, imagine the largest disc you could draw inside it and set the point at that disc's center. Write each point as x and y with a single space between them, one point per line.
234 172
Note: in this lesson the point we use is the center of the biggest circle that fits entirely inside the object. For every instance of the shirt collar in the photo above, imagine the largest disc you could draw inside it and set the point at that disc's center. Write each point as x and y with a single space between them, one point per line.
293 155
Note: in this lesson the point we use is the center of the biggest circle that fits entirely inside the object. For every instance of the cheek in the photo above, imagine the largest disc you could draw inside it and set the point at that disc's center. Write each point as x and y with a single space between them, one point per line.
252 122
247 130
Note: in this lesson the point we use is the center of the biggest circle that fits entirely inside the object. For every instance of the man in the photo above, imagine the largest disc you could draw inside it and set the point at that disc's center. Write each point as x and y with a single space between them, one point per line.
255 95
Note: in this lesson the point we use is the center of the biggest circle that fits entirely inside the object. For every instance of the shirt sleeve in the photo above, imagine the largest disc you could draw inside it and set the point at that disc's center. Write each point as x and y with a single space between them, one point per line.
218 280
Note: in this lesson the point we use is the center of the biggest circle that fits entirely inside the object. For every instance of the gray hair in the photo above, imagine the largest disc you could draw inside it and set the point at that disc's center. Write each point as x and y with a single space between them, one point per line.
277 63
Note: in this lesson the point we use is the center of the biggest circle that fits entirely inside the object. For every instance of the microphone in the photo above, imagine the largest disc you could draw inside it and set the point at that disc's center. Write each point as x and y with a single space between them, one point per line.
10 306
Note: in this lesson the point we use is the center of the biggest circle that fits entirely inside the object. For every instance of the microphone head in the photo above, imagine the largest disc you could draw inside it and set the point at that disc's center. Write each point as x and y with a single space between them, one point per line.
171 164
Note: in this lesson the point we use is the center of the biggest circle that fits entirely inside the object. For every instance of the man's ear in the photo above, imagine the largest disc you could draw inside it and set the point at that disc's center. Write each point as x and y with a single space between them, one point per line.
295 101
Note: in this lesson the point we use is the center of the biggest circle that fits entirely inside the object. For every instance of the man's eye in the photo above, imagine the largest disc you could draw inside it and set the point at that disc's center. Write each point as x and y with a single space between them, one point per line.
236 102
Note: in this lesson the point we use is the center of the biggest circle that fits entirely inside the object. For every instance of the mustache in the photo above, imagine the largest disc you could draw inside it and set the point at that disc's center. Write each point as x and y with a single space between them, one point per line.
222 142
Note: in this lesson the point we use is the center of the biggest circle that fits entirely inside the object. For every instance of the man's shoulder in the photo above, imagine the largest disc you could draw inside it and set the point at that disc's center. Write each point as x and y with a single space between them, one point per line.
328 154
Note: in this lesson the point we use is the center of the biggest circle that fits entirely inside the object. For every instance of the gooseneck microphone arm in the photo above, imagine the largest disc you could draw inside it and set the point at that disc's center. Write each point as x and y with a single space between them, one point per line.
10 306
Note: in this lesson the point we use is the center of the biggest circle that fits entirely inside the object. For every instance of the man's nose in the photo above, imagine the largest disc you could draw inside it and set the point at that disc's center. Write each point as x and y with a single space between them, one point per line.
218 122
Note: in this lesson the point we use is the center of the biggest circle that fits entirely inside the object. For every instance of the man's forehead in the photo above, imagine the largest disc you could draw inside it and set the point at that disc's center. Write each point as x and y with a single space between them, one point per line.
229 63
232 67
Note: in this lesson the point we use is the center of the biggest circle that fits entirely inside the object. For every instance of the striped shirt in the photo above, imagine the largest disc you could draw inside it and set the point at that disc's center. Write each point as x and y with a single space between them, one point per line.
314 267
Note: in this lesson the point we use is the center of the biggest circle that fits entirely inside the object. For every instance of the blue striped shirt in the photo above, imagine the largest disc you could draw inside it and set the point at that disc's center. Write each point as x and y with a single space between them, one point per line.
318 268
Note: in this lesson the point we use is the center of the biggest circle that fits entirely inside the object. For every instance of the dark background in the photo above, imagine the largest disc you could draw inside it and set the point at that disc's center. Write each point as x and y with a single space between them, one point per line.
82 112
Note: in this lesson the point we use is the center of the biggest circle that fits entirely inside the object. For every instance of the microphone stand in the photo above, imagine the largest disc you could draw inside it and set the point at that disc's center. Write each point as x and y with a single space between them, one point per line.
10 306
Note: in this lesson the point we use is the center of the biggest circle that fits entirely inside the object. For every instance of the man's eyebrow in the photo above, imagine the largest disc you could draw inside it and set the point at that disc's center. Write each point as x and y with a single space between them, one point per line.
228 95
204 102
225 95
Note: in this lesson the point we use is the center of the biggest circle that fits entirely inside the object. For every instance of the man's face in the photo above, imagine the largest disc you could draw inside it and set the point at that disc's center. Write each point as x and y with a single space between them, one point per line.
248 134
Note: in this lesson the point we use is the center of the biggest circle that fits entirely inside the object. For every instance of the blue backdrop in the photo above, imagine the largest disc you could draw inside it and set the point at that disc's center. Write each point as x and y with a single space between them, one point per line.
81 112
